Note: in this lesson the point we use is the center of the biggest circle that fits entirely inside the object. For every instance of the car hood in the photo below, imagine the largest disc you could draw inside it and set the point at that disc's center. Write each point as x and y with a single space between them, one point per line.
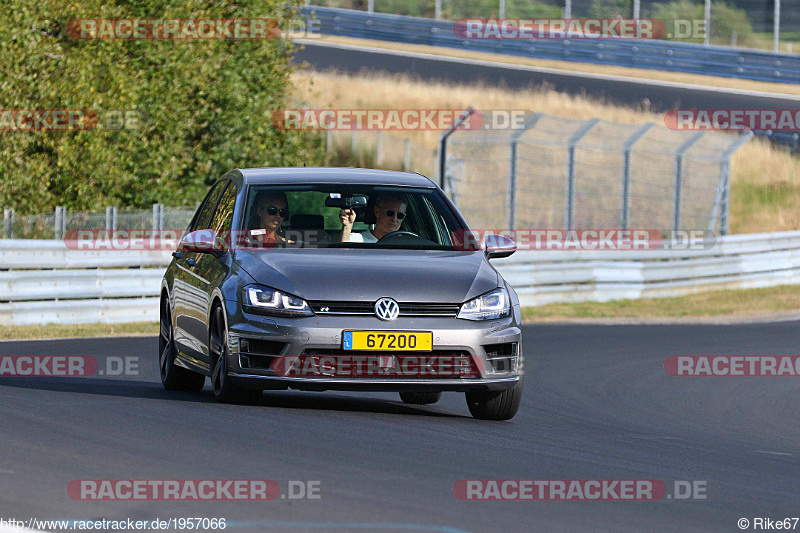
352 274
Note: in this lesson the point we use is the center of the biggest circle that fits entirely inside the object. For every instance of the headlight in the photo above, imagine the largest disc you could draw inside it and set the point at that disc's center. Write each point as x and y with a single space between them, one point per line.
271 302
494 304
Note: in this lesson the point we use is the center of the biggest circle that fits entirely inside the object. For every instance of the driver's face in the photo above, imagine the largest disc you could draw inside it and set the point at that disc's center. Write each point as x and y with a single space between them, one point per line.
386 223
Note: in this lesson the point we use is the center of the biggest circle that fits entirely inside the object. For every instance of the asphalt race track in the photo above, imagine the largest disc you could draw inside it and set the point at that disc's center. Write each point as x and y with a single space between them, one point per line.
624 91
598 404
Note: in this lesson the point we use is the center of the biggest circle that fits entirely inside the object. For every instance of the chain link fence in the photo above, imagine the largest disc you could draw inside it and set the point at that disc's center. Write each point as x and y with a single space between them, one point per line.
59 223
564 173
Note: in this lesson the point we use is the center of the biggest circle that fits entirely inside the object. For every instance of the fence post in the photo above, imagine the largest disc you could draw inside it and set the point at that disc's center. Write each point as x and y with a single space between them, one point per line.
353 141
407 155
111 218
529 123
722 198
8 223
676 211
626 171
570 192
158 217
371 6
443 143
379 149
437 10
502 9
60 222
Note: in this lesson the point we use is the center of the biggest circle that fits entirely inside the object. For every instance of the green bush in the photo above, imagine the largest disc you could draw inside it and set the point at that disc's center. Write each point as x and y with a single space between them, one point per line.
206 105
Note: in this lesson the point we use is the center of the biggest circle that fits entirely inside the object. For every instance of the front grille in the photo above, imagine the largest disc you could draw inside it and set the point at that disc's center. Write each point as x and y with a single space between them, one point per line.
368 308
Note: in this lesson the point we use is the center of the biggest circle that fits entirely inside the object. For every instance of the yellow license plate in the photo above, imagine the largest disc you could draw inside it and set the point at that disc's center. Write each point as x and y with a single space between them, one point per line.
398 341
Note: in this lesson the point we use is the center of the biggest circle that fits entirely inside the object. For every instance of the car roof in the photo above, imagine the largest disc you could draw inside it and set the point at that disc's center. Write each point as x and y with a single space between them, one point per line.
287 175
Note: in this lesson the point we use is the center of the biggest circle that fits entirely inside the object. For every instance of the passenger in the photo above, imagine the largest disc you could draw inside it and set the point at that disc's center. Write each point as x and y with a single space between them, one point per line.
390 211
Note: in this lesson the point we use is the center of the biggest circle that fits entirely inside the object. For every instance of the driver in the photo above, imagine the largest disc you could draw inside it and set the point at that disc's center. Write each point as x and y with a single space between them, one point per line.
390 211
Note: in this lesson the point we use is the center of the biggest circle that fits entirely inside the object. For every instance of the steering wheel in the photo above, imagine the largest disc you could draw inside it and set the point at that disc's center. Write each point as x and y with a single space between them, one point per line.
398 233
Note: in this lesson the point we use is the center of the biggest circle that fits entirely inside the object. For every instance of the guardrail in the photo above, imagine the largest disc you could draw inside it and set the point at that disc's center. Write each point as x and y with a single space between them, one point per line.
44 282
637 53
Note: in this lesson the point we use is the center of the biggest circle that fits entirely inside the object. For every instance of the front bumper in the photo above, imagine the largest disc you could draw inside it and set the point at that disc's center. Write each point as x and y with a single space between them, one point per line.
497 369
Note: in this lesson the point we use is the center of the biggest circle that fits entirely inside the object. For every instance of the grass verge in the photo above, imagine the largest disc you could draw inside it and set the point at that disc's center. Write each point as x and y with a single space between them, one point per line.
714 304
53 331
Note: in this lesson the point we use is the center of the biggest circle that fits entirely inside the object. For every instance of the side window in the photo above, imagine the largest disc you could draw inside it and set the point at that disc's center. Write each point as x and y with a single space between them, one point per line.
209 206
223 218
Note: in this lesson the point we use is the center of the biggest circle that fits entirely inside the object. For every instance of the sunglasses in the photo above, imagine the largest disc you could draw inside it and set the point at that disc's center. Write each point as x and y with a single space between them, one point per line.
390 214
272 211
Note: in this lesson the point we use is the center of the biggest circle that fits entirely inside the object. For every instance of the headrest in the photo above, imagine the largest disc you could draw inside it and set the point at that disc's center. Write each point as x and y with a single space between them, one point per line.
304 221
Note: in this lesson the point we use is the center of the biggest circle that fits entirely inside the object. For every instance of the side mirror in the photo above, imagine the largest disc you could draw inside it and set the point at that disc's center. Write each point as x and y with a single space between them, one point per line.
203 241
497 246
348 202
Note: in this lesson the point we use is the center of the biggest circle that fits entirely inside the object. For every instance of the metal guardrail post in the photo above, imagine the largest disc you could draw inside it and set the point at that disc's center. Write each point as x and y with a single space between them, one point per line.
379 149
570 192
353 141
438 10
626 171
329 142
407 155
676 212
443 144
529 123
8 223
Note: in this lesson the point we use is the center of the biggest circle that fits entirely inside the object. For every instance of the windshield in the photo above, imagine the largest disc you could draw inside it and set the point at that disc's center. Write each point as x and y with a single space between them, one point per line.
359 216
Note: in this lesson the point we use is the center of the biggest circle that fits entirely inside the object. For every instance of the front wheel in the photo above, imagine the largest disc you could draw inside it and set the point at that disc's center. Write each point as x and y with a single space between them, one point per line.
173 377
420 398
224 390
502 405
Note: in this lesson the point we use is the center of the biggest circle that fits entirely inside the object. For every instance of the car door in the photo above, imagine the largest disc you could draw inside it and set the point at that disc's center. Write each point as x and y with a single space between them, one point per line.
203 272
184 289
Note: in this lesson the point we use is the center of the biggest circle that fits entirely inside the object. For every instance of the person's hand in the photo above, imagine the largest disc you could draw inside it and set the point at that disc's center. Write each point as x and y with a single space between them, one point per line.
347 217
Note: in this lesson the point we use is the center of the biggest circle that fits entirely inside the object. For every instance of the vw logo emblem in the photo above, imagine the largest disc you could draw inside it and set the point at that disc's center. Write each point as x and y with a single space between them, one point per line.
387 309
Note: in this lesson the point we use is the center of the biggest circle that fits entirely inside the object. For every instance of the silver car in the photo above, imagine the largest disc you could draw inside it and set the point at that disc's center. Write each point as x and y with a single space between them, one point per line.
339 279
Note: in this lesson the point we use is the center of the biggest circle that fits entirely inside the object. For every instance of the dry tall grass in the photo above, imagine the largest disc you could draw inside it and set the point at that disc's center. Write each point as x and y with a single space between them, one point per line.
765 194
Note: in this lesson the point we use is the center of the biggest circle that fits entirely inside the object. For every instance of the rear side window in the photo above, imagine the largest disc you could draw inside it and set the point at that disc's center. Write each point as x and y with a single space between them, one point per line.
223 217
206 213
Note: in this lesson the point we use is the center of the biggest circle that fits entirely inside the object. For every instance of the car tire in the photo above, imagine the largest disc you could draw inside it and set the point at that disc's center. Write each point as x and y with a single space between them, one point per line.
495 405
420 398
224 390
173 377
